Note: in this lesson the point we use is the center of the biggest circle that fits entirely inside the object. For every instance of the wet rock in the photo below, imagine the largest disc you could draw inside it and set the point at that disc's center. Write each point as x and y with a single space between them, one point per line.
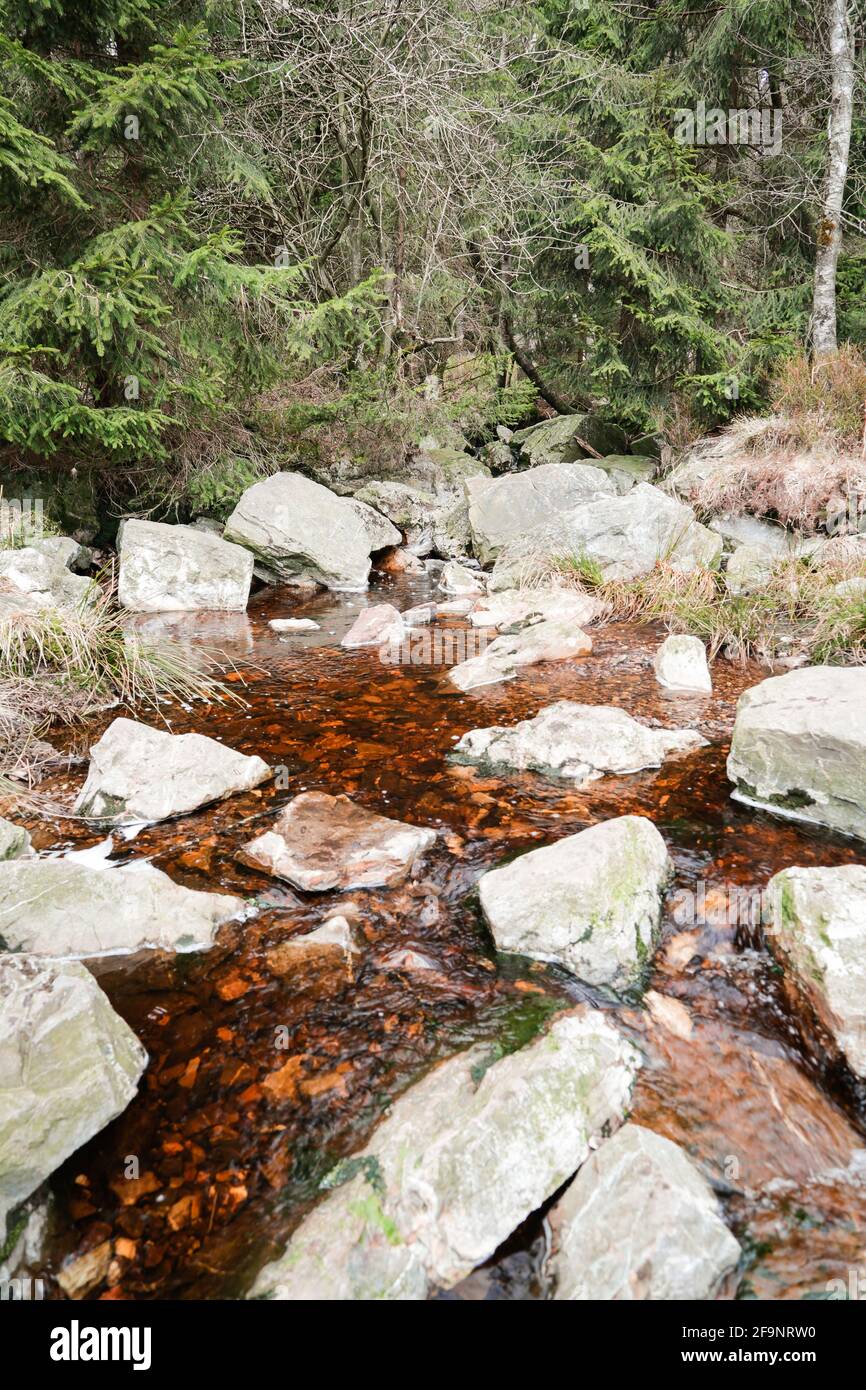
302 533
375 626
141 774
381 533
578 742
458 580
179 568
14 841
320 842
799 747
591 902
514 608
43 580
402 560
553 639
68 1065
819 934
79 1276
639 1222
559 440
68 909
294 625
330 952
503 510
460 1161
681 664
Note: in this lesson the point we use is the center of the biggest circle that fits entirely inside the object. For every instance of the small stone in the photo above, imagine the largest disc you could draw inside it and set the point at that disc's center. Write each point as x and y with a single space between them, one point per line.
377 626
294 625
457 579
681 664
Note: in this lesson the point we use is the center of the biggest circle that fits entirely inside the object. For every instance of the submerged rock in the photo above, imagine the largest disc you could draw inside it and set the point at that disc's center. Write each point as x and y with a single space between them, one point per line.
639 1222
14 841
460 1161
180 568
553 639
320 842
327 954
302 533
681 664
68 1065
591 902
65 908
376 626
141 774
505 509
799 747
578 742
294 625
819 934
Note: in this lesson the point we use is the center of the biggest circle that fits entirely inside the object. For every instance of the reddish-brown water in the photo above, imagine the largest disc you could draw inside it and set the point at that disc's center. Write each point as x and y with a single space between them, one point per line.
229 1160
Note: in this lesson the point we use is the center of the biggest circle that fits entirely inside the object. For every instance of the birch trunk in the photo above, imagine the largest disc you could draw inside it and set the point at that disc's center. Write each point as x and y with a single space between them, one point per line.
838 141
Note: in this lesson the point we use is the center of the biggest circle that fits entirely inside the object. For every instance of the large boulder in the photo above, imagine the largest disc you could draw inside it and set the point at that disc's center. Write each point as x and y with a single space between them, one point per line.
799 747
461 1160
138 773
68 909
818 931
552 639
180 568
624 470
681 664
320 842
41 576
639 1222
413 512
381 534
302 533
580 743
505 510
625 537
591 902
562 440
68 1065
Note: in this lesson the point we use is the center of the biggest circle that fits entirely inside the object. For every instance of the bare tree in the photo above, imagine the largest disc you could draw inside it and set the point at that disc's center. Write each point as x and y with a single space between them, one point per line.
841 50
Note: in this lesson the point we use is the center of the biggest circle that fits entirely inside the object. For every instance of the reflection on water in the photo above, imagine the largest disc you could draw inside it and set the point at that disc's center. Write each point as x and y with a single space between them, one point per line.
227 1163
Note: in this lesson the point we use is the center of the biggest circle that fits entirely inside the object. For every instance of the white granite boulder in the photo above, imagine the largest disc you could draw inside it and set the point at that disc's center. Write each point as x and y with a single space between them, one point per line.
580 743
506 509
460 1161
68 1065
639 1222
681 664
180 568
591 902
302 533
140 774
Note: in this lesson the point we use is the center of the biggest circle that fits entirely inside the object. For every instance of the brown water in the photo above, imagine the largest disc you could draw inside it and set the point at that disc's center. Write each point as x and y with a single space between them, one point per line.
228 1163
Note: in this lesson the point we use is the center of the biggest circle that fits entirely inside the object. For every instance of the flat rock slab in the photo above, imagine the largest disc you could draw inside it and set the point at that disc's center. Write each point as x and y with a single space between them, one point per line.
681 664
552 639
63 908
579 742
639 1222
516 608
140 774
181 568
376 626
68 1065
502 510
294 625
302 533
461 1160
819 935
320 842
799 747
591 902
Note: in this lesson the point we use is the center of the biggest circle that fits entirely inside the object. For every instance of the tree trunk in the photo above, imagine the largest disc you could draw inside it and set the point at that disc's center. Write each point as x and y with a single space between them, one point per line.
838 141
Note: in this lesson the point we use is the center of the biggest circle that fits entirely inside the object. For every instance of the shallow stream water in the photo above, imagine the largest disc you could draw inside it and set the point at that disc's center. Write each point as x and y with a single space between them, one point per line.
228 1164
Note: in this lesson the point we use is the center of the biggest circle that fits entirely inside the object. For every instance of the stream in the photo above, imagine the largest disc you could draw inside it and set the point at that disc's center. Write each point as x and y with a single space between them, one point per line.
227 1166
